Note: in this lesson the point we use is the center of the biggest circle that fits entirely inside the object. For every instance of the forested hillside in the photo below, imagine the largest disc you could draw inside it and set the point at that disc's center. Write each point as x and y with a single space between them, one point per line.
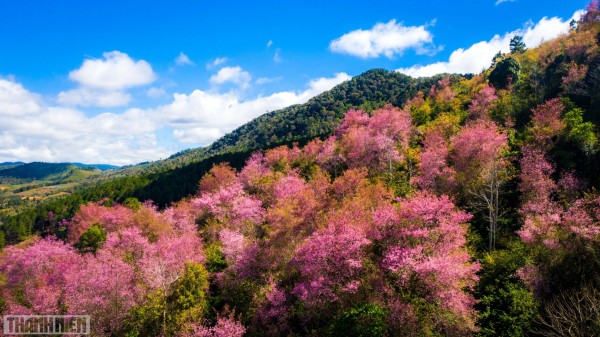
465 206
174 178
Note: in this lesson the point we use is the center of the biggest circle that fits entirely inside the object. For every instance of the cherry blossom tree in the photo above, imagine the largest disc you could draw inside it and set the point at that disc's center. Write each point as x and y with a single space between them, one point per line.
104 287
329 263
546 123
425 249
35 276
435 173
479 159
482 102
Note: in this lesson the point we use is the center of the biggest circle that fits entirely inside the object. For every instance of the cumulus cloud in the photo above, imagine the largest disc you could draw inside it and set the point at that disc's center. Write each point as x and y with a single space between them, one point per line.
384 39
182 60
202 117
16 100
90 97
115 72
33 130
103 82
156 92
479 56
235 75
265 80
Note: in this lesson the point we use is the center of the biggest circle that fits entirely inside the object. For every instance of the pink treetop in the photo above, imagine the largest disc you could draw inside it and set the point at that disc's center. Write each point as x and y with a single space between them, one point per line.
164 262
477 150
282 156
219 176
348 184
374 141
104 287
274 311
429 243
546 123
294 199
593 12
536 183
392 123
329 262
234 244
128 245
35 276
110 218
482 102
434 172
225 327
328 157
254 170
442 92
573 81
352 119
232 205
182 217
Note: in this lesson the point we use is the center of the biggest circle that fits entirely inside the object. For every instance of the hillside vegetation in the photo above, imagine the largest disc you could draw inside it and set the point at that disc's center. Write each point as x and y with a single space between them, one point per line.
24 186
177 177
466 207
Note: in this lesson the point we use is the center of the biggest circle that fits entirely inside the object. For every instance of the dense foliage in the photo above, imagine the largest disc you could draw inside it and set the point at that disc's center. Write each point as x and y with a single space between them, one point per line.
176 177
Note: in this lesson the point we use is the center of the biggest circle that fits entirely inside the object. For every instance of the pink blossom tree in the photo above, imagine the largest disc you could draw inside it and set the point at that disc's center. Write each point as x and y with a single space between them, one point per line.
374 141
425 253
110 218
482 102
329 262
546 123
227 326
35 276
435 173
104 287
482 168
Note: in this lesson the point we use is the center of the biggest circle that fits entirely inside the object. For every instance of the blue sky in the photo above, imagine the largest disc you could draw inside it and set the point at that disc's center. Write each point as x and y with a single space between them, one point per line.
127 81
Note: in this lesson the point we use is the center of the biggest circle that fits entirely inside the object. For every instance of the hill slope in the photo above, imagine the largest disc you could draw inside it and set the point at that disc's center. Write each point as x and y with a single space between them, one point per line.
40 170
302 122
174 178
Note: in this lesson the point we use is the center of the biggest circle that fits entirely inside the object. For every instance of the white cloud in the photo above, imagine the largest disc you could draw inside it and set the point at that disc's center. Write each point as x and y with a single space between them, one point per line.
156 92
265 80
498 2
182 60
216 62
33 130
269 44
234 75
201 117
384 39
116 71
103 82
16 100
479 56
322 84
90 97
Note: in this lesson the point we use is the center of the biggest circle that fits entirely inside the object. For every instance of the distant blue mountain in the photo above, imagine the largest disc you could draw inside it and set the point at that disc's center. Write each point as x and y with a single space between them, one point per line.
39 170
101 167
11 163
